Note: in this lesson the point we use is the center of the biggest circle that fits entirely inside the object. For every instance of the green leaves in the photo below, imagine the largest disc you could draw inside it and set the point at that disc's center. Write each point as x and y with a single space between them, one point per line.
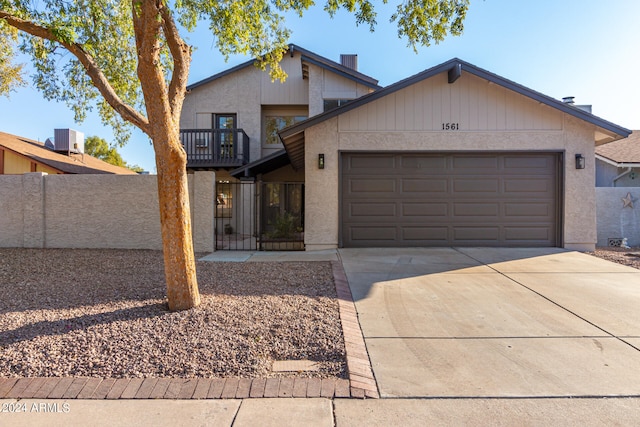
425 21
103 30
362 9
11 74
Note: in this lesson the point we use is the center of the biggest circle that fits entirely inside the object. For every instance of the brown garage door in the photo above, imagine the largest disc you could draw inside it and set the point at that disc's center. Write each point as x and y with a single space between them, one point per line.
470 199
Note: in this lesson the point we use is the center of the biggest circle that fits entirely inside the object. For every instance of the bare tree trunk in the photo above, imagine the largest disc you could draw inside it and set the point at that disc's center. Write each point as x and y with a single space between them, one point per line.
151 19
175 221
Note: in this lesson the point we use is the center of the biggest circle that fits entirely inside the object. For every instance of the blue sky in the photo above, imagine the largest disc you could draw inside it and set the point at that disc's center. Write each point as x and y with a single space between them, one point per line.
589 49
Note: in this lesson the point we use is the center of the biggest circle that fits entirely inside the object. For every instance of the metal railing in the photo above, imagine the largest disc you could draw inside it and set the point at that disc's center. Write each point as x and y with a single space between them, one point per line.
215 147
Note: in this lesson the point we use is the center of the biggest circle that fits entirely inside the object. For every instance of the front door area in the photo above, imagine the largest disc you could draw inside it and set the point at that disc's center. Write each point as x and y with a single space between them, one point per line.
252 216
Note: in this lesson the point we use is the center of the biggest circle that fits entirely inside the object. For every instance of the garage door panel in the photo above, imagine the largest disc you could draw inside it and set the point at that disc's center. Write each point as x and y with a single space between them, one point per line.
476 186
427 164
471 164
528 186
446 199
425 210
476 209
530 233
532 164
427 234
427 186
367 163
358 210
372 185
477 234
373 233
529 210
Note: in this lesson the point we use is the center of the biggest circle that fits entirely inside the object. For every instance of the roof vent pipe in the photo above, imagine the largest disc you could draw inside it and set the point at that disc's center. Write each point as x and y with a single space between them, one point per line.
569 100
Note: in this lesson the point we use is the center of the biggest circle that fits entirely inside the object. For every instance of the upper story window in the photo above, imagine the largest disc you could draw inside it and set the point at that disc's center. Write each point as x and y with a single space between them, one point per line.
330 104
274 123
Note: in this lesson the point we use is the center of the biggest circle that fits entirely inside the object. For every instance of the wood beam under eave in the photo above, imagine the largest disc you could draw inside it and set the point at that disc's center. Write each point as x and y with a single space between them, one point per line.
602 138
455 72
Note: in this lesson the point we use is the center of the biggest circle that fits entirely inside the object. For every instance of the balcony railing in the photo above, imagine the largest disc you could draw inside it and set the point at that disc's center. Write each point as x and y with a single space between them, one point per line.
215 148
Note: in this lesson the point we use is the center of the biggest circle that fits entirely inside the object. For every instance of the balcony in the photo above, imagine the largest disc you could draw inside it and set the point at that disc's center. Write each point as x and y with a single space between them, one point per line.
215 148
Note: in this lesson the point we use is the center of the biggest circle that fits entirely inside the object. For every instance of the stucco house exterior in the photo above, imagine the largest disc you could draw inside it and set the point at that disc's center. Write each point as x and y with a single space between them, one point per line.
229 124
618 163
452 156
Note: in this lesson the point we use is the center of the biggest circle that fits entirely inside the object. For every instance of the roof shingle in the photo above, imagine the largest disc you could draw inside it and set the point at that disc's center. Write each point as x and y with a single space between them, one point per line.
625 150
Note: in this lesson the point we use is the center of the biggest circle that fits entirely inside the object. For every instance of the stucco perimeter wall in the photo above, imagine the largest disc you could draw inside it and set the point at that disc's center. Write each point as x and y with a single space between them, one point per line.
322 186
12 217
615 221
95 211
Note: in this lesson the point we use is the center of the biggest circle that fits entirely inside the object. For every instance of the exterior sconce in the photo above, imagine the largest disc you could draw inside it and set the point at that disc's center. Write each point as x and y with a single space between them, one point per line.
320 161
580 161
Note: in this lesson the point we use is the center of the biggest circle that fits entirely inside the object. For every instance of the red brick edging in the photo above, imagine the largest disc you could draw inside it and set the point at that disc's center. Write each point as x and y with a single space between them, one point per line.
171 388
361 382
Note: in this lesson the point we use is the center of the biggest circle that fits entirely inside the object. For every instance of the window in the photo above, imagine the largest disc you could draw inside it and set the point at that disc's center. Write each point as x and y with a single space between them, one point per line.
330 104
225 125
274 123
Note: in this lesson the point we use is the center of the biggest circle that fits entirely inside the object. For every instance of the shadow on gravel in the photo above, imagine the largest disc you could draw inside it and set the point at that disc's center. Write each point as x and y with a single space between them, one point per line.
66 326
36 279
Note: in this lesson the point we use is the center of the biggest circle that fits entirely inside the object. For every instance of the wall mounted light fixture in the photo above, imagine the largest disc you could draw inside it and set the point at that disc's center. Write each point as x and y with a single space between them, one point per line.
580 161
320 161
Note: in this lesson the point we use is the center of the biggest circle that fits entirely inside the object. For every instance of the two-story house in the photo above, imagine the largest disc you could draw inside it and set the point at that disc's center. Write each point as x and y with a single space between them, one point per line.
452 156
230 123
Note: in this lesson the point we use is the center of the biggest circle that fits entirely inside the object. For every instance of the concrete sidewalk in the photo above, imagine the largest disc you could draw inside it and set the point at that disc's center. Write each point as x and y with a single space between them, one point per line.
456 337
322 412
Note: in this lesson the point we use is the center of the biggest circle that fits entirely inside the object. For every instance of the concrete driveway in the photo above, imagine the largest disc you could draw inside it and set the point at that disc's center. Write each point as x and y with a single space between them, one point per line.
479 322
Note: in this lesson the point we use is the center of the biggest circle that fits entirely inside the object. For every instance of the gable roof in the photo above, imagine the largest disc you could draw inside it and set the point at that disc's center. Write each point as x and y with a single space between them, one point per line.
293 136
72 164
622 153
307 56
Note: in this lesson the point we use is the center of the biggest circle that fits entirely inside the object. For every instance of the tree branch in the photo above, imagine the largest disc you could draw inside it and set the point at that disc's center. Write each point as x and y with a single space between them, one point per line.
93 70
181 53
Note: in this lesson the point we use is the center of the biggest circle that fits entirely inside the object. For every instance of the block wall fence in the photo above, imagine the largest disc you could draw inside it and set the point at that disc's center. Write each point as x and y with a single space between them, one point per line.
615 220
96 211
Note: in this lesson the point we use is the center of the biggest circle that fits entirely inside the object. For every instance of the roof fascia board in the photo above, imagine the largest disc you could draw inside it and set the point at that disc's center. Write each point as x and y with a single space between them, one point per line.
221 74
472 69
365 99
537 96
311 57
617 164
248 168
31 159
342 71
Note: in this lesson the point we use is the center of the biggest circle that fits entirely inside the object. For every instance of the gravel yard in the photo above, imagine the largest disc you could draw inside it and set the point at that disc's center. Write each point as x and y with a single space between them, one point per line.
630 257
102 313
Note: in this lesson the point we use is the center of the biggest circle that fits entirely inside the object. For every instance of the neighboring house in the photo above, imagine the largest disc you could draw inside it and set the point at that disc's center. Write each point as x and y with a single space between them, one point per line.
452 156
617 192
20 155
618 163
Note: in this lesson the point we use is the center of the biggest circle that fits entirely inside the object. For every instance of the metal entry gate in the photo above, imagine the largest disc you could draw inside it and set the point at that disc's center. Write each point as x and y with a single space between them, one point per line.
253 216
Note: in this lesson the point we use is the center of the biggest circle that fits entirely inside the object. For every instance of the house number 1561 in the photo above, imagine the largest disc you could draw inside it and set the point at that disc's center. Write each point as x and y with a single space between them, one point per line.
450 126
